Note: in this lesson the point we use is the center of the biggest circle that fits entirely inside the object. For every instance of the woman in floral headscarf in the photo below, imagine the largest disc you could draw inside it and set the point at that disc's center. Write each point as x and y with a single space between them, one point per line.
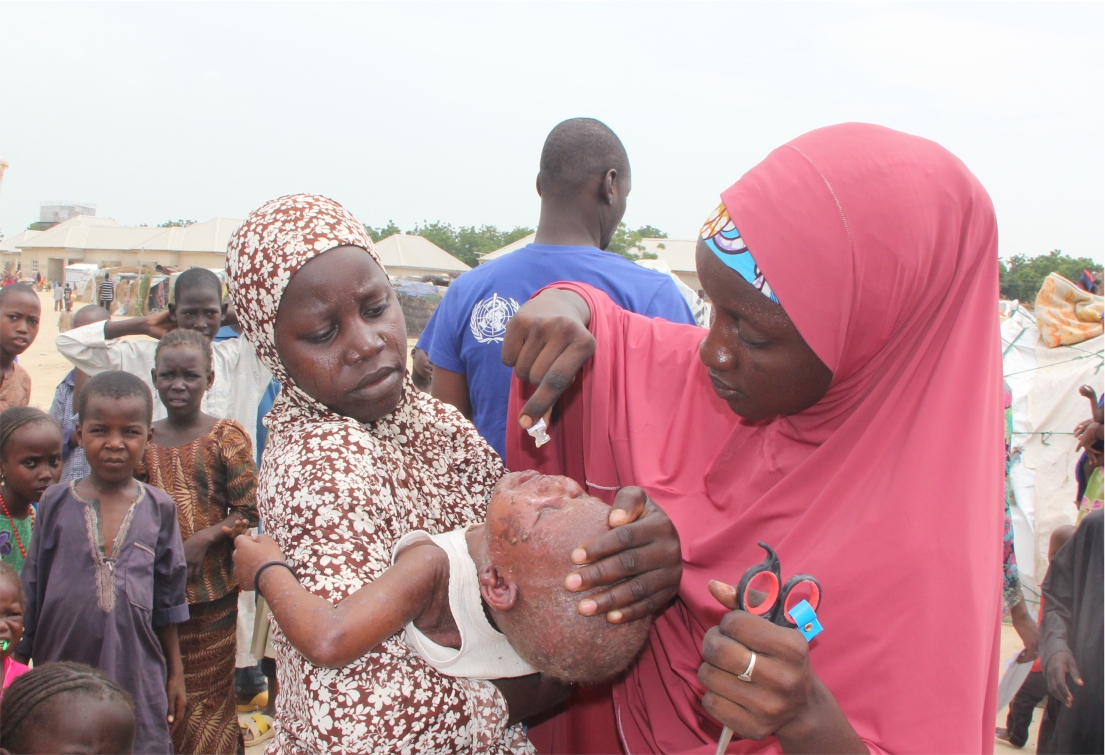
356 458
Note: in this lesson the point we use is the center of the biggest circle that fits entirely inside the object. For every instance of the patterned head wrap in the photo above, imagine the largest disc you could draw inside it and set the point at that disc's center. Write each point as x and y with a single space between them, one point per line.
724 240
265 252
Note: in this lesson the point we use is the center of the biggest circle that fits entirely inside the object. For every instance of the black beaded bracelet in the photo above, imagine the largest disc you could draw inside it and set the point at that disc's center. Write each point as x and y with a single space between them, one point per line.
261 570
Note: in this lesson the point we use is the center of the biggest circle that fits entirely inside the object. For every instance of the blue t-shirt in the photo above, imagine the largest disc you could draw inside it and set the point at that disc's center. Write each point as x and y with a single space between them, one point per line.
465 333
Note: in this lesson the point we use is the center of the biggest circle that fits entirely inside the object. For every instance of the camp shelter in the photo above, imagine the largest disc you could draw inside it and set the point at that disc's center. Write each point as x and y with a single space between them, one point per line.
1046 407
406 256
78 276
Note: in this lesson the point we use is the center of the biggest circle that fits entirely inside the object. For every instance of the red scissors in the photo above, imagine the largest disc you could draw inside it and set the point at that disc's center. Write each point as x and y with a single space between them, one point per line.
761 592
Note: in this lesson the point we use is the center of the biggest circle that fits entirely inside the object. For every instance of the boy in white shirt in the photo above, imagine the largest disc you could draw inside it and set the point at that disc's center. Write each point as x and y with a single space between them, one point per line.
240 379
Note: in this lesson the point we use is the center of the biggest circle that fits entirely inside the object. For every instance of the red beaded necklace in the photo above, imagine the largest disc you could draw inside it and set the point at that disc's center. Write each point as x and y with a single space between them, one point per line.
11 521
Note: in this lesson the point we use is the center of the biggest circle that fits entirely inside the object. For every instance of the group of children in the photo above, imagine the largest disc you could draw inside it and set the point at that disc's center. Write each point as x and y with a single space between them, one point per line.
116 536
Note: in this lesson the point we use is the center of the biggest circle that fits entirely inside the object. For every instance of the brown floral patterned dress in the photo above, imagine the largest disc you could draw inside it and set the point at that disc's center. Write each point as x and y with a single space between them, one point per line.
207 479
336 495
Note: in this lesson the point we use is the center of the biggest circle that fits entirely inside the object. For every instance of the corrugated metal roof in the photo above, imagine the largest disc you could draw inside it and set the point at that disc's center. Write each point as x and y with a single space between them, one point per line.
10 244
87 232
524 241
401 250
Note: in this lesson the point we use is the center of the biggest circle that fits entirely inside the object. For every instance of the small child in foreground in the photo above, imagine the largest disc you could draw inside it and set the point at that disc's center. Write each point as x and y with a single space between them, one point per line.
20 313
11 625
105 576
443 589
208 465
66 708
30 462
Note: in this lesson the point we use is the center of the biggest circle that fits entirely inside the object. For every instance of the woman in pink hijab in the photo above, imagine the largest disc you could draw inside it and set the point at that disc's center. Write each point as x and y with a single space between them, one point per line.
842 408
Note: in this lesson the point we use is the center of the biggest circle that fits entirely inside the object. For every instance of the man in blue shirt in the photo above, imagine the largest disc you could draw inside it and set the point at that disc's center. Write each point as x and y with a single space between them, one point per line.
583 184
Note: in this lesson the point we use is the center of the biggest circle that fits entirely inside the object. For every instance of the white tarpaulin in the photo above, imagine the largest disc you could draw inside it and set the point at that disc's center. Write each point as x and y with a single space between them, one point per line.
1046 407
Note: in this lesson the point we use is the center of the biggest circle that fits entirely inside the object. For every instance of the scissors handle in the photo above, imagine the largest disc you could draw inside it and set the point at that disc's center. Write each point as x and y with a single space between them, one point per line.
800 587
764 579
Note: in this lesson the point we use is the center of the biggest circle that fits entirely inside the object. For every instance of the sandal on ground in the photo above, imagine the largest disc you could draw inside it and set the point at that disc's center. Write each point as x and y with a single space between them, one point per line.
259 701
259 726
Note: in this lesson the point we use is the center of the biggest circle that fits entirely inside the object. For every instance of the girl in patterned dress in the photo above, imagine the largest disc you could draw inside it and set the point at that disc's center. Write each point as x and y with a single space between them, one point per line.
355 459
206 465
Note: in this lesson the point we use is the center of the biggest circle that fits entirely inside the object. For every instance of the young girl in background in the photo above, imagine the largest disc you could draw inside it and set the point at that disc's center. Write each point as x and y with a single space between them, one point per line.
11 625
30 462
105 576
67 707
206 465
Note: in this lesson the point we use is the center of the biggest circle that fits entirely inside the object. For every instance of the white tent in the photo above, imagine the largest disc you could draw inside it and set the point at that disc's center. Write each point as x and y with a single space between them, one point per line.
79 275
1046 407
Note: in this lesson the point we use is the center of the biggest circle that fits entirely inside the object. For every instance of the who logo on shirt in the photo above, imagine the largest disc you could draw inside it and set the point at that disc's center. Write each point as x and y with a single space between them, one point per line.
489 318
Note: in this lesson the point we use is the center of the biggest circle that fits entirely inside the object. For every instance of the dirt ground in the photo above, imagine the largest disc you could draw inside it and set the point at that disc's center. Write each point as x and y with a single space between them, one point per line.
47 368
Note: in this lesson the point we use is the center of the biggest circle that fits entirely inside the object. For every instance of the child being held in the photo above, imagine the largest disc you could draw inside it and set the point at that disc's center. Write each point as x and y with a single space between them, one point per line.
20 313
11 625
30 462
484 602
66 707
105 576
208 465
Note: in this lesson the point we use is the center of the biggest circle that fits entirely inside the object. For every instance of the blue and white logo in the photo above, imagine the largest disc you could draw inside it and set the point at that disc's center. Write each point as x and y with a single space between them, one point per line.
489 318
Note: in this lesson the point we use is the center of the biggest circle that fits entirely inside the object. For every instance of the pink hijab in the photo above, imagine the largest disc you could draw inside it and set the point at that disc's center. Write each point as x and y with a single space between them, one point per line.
882 248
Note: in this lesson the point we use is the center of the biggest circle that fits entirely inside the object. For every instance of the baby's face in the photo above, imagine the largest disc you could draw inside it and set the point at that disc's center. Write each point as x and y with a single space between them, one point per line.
528 508
534 522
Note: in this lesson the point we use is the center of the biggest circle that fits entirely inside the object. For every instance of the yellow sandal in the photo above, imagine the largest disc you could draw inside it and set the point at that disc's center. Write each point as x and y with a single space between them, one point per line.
260 726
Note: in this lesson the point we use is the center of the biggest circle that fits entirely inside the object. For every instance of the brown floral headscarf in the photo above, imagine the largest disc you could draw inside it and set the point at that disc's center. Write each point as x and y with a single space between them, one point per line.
265 252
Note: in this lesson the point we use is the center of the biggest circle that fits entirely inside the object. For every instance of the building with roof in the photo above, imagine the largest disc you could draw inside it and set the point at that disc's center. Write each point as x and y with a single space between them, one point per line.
9 250
679 254
106 243
406 256
524 241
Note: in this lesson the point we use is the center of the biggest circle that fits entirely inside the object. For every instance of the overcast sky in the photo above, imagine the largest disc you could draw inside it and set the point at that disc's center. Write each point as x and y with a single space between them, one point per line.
429 111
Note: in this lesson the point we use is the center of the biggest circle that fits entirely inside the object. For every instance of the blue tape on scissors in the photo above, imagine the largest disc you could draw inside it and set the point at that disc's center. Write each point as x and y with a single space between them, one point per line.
806 618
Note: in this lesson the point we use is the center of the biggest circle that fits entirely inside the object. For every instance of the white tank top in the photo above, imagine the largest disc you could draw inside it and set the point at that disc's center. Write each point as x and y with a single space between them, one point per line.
484 652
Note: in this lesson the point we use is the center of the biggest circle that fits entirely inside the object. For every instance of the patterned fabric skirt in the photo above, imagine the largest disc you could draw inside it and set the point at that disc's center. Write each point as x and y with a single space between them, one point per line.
208 641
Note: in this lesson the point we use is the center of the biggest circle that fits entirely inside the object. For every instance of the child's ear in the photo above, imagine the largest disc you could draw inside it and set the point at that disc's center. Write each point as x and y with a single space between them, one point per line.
499 594
211 378
172 312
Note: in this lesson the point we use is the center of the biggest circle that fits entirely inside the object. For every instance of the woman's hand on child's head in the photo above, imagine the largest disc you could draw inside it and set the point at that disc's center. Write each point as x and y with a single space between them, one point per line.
250 553
641 552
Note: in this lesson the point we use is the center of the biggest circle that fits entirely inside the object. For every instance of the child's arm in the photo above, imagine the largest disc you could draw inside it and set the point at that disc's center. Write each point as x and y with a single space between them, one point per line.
174 686
91 348
334 635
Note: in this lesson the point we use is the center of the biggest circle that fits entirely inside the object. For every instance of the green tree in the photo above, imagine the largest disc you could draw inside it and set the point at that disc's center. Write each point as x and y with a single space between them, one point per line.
176 224
383 232
1021 276
468 243
627 242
